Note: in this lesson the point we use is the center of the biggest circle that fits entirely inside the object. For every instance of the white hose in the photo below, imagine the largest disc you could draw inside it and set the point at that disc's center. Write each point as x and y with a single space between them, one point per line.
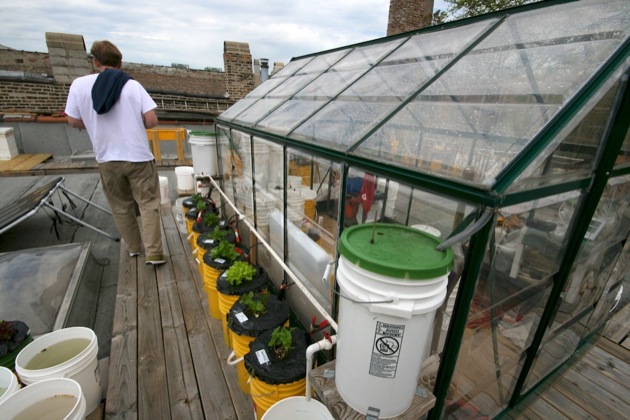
323 344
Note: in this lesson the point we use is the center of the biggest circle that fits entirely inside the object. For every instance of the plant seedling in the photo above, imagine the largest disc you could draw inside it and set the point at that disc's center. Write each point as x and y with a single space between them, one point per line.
239 272
281 342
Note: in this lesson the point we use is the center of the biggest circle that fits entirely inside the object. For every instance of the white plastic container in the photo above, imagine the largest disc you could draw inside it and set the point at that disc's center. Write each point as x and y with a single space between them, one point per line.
9 384
70 353
392 280
297 408
50 399
8 147
203 147
185 179
164 190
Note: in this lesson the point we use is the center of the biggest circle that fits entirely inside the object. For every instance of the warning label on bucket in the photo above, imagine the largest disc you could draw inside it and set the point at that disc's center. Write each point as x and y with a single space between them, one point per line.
386 350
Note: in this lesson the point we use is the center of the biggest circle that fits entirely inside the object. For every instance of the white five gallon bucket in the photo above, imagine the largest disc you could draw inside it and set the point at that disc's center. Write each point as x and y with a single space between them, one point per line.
392 280
164 190
51 399
185 179
203 147
297 408
8 383
65 353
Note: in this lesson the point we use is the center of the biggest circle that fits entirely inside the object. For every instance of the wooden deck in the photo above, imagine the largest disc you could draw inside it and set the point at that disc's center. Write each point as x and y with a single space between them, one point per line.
168 357
596 385
46 164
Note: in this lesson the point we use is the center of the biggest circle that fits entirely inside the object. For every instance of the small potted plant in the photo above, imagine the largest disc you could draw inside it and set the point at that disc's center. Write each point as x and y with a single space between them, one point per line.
239 279
250 316
276 362
215 261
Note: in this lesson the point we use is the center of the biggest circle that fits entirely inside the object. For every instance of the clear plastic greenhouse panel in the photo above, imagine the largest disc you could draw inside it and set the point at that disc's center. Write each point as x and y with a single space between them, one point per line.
507 131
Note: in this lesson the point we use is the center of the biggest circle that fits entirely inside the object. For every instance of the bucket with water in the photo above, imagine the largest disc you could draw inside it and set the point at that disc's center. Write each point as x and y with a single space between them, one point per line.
49 399
65 353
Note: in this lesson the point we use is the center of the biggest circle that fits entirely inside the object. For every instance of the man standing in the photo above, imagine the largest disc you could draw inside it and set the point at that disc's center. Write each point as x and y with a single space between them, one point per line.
116 111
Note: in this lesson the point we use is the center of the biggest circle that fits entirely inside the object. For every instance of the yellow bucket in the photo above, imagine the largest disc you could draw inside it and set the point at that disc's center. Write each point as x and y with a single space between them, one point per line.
193 239
210 276
225 304
265 395
240 343
309 209
189 225
201 251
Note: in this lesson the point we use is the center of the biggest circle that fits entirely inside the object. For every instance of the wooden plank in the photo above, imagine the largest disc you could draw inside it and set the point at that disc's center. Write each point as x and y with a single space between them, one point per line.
564 405
153 398
541 409
619 325
23 162
626 343
122 389
212 388
603 381
588 396
611 360
183 390
614 349
607 368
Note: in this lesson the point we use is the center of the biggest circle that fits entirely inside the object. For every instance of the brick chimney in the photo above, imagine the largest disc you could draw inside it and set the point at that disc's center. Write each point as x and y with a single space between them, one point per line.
68 56
409 15
239 76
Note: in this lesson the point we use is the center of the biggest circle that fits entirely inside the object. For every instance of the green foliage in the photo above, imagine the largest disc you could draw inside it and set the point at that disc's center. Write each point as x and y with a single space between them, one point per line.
281 342
255 304
239 272
201 205
224 250
459 9
210 218
196 197
218 234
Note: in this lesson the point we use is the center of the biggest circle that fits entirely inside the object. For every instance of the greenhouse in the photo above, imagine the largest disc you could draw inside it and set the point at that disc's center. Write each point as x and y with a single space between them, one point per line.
505 136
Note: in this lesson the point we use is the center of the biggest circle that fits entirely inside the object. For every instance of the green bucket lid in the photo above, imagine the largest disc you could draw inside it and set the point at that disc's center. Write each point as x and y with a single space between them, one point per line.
202 133
397 251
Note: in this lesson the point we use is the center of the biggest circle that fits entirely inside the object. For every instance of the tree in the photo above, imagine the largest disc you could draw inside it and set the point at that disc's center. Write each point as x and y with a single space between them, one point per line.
459 9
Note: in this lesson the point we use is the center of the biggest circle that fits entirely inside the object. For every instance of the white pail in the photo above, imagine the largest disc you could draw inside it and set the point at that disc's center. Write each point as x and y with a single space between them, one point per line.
164 190
392 280
50 399
185 179
203 147
69 353
8 383
297 408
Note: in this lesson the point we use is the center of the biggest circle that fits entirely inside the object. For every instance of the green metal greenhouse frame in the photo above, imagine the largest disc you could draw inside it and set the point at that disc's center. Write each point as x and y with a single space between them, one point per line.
509 88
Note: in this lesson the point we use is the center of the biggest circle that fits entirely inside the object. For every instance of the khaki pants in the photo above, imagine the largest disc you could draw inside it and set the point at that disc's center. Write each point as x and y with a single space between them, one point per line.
128 183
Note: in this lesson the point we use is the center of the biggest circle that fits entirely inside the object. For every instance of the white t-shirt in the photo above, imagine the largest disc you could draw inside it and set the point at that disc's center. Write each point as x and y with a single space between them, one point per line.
118 135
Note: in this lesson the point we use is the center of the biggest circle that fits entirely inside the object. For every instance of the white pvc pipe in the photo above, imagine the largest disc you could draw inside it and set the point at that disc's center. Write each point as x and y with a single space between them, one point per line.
280 260
323 344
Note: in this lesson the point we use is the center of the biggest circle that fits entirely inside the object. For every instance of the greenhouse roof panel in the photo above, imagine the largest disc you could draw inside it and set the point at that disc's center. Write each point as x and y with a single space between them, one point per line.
474 94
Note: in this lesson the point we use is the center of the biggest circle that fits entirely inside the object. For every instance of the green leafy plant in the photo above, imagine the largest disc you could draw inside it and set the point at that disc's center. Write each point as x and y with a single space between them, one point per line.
224 250
239 272
255 304
201 205
196 198
281 342
210 218
218 234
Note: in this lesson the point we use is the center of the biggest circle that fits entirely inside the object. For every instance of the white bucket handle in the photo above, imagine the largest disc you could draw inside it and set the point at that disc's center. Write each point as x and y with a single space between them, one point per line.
231 361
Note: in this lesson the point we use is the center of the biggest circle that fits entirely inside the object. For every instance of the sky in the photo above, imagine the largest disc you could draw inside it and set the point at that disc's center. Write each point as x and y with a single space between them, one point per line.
192 32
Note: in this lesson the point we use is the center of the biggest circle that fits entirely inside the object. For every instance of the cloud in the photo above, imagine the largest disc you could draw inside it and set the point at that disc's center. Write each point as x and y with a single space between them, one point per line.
192 32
